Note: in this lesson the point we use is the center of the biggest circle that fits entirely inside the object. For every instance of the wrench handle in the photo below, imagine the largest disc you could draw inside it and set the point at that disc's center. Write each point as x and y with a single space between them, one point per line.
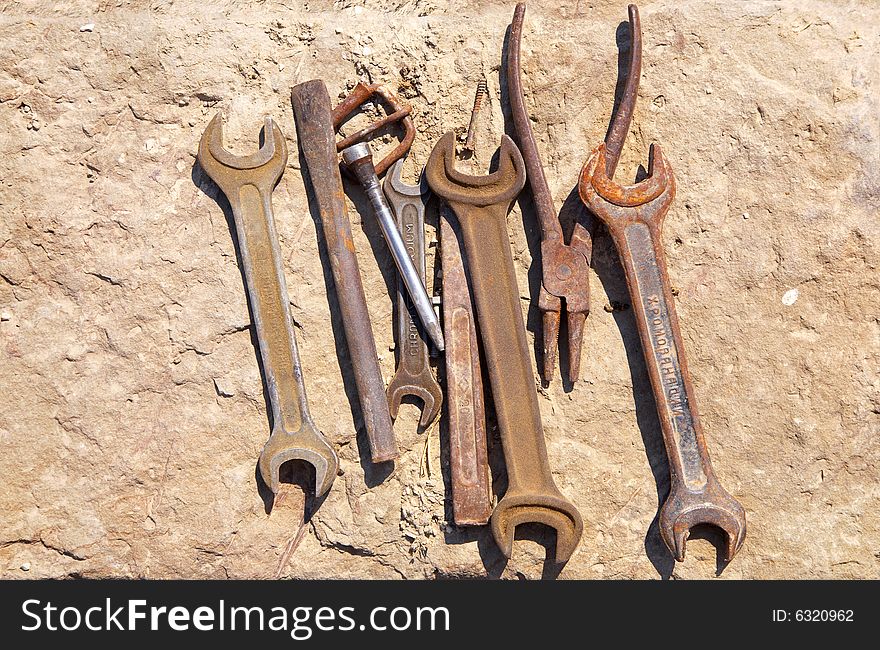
267 290
641 251
413 349
503 332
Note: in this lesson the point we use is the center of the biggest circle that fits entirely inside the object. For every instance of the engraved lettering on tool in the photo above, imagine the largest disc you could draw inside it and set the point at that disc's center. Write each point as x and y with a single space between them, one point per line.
408 221
664 353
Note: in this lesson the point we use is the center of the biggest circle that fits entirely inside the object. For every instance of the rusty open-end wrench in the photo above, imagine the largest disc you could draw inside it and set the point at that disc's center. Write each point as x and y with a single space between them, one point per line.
634 217
481 204
413 375
247 182
465 406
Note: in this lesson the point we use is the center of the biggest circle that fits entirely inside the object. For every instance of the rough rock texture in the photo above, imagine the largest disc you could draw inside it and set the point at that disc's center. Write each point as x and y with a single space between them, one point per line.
133 411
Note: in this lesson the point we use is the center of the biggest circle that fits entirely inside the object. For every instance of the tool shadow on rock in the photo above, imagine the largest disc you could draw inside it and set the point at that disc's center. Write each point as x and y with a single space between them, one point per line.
611 275
210 189
374 473
623 39
610 272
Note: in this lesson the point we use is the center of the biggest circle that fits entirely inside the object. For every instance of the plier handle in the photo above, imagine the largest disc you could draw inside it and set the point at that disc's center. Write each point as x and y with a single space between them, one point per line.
566 266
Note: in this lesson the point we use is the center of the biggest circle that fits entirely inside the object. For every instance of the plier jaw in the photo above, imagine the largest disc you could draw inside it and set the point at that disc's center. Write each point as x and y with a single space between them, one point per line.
565 285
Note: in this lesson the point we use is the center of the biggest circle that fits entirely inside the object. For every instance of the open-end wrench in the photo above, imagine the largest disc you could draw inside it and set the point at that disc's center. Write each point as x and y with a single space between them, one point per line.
481 204
413 375
634 217
317 141
247 182
465 406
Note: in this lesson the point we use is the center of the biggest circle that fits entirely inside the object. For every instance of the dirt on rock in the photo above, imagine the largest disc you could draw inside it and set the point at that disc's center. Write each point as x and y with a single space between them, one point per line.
133 410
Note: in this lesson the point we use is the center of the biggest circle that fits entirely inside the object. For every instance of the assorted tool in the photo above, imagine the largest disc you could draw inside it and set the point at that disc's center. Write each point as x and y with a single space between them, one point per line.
481 204
483 321
317 141
413 375
634 216
466 420
359 160
565 267
247 182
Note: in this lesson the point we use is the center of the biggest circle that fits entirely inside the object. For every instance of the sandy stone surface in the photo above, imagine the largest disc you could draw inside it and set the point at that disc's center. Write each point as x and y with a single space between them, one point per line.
133 411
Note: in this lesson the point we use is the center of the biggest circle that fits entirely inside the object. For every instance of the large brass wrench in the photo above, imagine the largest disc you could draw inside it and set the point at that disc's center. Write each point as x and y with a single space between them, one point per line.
247 182
634 217
481 204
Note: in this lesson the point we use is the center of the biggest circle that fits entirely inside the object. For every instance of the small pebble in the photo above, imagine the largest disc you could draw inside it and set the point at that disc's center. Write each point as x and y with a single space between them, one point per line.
5 315
745 215
88 27
26 566
223 389
790 297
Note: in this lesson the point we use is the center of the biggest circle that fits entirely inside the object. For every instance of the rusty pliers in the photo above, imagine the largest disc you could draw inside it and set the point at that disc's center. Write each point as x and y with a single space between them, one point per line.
566 267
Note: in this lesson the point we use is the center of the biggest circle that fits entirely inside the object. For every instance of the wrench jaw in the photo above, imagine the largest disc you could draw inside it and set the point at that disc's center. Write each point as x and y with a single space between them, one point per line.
425 388
712 506
228 169
551 510
307 445
616 205
394 183
453 186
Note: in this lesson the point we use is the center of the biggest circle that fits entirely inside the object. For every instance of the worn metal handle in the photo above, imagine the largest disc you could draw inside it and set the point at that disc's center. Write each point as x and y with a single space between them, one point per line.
645 266
311 108
261 258
468 455
414 351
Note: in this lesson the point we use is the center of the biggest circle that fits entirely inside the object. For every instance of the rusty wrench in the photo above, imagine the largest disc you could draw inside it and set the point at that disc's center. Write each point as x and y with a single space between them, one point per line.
247 181
481 204
634 216
413 375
